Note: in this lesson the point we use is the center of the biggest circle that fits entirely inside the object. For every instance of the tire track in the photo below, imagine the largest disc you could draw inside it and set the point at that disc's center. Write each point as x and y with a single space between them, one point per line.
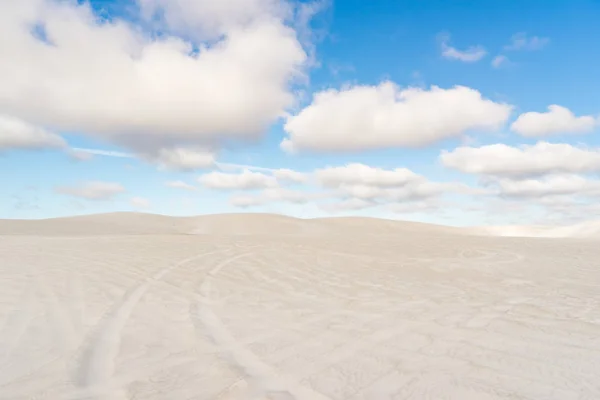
97 365
263 379
16 325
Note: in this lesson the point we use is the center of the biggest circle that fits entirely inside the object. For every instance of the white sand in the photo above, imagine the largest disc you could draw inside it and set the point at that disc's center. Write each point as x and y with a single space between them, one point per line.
133 306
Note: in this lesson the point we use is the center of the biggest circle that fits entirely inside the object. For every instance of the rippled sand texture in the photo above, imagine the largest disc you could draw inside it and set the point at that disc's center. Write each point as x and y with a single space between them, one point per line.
264 307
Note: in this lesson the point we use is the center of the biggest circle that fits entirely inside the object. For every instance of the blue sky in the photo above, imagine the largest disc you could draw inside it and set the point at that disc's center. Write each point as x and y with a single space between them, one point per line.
118 120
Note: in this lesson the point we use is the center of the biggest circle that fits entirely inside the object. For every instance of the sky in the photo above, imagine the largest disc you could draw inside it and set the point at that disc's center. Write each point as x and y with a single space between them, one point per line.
452 112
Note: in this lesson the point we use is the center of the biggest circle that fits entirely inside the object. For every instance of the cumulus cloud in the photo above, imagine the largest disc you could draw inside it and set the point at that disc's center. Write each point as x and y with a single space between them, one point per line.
374 117
550 185
208 18
271 195
139 202
521 41
349 187
288 175
361 186
556 120
523 161
554 198
183 159
532 181
18 134
361 174
180 185
94 190
108 79
470 54
246 180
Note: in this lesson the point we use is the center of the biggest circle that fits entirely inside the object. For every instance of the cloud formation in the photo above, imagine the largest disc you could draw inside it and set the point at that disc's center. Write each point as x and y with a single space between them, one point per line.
183 159
550 185
271 195
208 19
469 55
245 180
361 174
18 134
348 187
522 161
521 41
555 121
151 94
365 117
288 175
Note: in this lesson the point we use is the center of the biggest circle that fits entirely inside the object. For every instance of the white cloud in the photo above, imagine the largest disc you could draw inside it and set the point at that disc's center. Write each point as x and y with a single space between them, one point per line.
500 61
539 159
523 184
94 190
361 174
208 18
551 185
556 120
520 41
139 202
18 134
180 185
288 175
360 186
353 186
271 195
246 180
470 54
183 159
374 117
109 80
553 198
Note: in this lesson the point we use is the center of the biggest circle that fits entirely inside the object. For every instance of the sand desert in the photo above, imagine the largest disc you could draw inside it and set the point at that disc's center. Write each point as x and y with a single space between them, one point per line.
138 306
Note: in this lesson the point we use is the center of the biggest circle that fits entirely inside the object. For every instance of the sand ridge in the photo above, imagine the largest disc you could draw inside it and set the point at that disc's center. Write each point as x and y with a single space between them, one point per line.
124 223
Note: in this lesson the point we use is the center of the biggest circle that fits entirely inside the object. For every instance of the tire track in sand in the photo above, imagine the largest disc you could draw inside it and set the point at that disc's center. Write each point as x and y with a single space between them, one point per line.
15 327
97 365
263 380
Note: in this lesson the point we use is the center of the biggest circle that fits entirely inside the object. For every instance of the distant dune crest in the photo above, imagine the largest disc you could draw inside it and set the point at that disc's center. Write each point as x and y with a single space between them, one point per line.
129 223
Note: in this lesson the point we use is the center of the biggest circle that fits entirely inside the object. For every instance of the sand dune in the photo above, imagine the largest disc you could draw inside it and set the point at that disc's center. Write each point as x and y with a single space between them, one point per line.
96 224
133 306
129 223
221 224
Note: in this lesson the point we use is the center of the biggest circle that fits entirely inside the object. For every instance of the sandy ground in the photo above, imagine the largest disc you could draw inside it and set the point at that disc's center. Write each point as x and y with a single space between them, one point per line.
266 307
